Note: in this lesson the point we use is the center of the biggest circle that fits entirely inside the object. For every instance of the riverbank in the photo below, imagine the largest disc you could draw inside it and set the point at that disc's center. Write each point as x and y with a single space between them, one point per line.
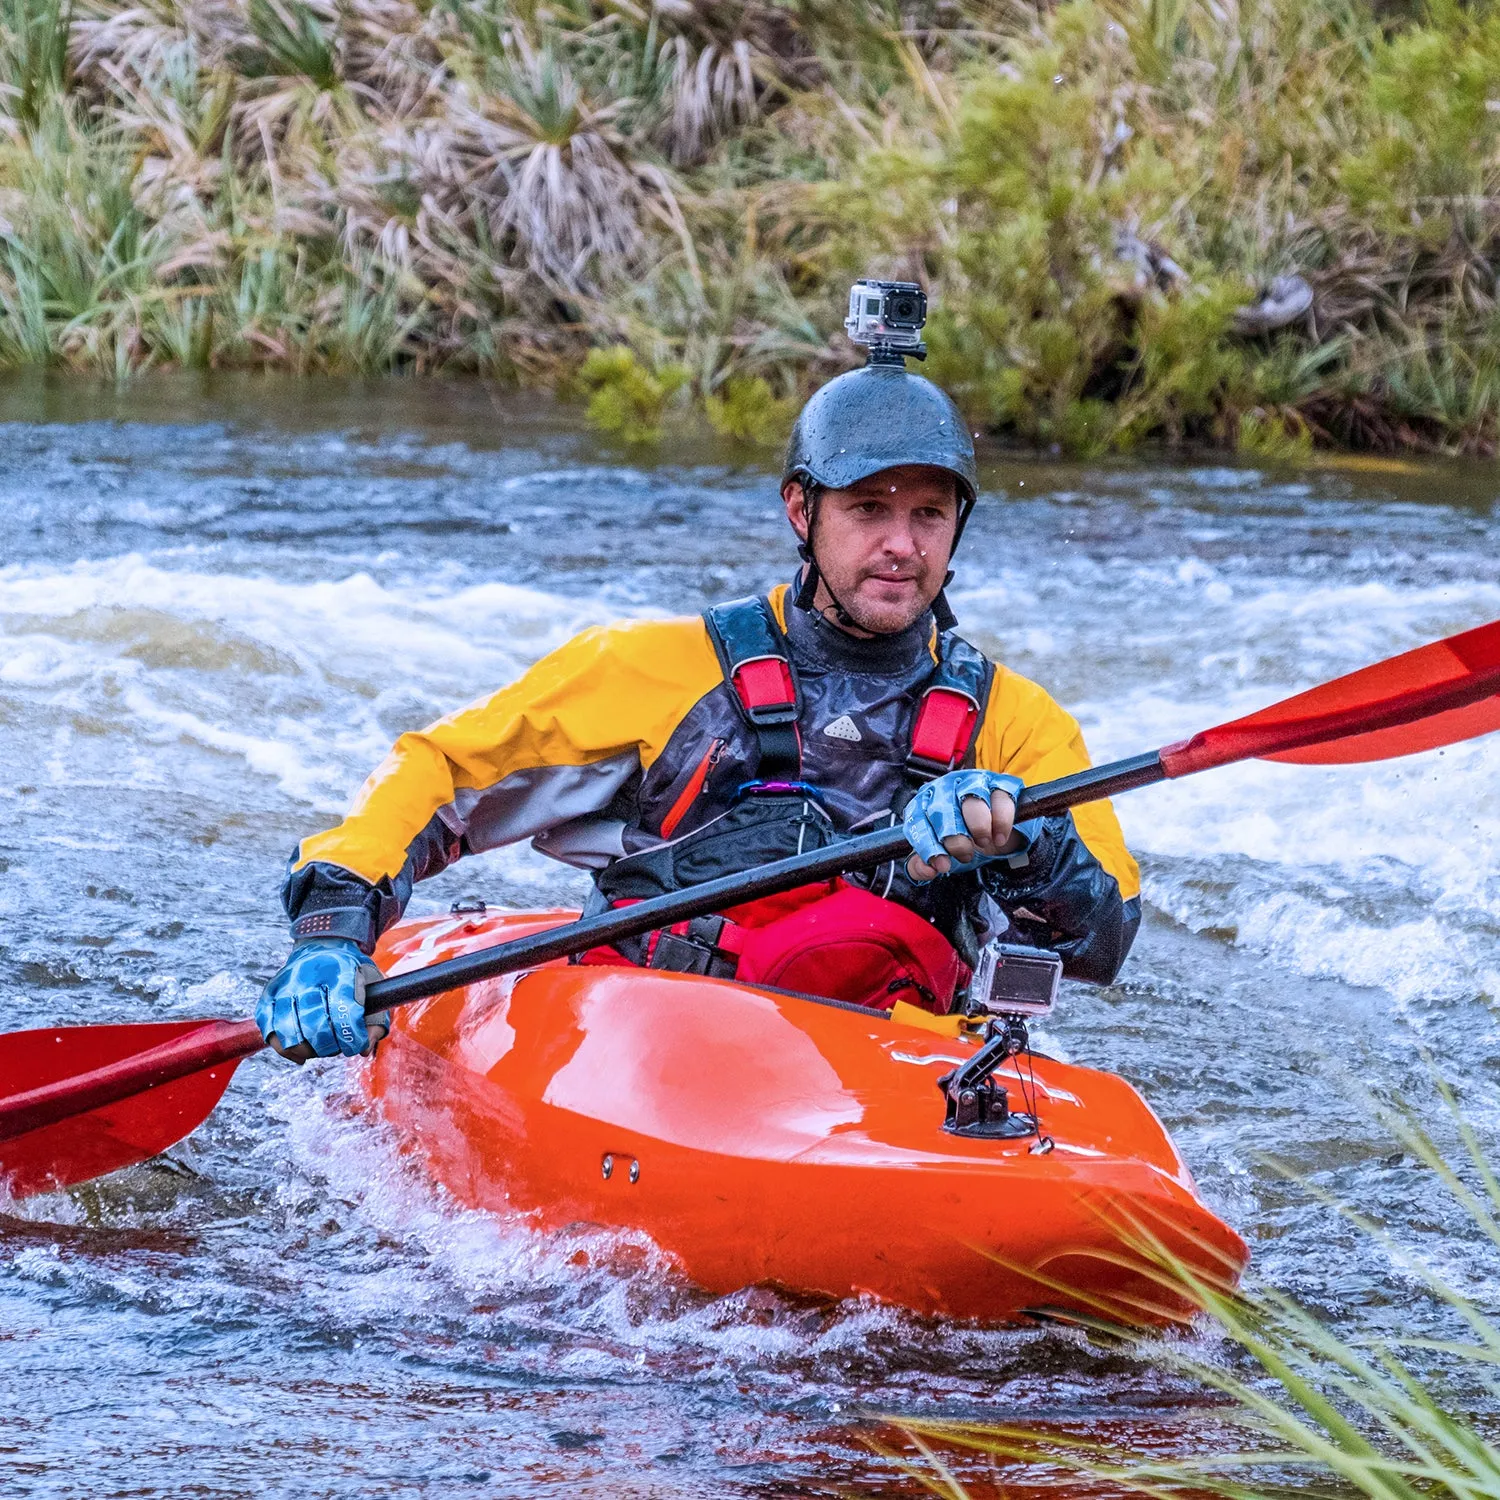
1269 226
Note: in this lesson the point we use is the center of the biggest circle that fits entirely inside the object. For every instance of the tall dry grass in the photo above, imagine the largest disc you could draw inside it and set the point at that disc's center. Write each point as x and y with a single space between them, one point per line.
1094 192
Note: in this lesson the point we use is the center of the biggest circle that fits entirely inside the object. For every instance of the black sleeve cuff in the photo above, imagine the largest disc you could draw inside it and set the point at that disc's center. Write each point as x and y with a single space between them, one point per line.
324 900
351 923
1031 868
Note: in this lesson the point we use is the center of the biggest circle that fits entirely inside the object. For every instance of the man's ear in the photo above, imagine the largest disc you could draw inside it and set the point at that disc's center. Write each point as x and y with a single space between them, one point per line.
795 499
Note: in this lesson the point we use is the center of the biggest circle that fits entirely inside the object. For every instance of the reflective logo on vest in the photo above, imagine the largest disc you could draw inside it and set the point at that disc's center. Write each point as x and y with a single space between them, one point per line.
843 728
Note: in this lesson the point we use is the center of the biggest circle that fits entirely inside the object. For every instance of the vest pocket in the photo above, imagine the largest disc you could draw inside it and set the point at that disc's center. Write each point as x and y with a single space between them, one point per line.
695 784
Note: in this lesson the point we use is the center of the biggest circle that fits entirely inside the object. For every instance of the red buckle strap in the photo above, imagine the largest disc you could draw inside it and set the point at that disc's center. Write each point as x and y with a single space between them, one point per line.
766 689
945 725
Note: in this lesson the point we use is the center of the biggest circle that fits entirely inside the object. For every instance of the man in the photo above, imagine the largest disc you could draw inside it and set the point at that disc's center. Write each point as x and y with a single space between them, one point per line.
663 753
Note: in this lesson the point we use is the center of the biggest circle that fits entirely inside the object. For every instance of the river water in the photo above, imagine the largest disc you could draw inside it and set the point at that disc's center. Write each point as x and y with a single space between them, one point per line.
220 600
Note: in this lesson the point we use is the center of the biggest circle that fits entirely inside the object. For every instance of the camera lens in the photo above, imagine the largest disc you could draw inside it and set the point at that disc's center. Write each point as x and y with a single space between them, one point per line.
903 309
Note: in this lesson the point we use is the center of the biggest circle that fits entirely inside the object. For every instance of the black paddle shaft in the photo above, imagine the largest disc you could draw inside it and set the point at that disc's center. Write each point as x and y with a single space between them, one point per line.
864 853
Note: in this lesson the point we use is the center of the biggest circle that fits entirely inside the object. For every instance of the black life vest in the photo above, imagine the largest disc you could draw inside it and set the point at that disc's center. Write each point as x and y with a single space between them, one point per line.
822 939
781 816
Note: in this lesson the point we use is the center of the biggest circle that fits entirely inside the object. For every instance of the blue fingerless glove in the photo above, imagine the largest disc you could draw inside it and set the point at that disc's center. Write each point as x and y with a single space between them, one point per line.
936 812
319 998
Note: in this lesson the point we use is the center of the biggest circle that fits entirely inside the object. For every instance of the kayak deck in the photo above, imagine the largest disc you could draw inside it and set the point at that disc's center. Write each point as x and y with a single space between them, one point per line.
764 1137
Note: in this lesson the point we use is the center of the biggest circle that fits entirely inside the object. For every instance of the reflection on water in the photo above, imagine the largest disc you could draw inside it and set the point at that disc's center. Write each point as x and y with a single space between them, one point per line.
220 601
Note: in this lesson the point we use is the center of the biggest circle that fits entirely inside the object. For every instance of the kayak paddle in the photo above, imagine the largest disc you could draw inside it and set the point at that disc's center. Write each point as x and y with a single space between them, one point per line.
77 1102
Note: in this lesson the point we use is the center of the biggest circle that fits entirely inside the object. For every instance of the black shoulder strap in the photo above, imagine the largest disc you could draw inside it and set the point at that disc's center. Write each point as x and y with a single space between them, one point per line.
756 663
952 709
965 667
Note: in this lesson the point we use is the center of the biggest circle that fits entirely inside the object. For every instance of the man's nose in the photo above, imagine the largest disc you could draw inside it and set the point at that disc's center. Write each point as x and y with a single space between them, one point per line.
899 542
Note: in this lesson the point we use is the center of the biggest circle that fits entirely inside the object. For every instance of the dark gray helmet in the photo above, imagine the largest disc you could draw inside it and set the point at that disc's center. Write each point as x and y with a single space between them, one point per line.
872 419
877 418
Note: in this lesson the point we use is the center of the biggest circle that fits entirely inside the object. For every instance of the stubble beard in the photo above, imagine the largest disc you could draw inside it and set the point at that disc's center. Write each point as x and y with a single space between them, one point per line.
874 619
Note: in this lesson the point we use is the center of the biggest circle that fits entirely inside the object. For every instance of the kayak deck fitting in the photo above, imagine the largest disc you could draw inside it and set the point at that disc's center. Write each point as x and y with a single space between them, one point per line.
762 1137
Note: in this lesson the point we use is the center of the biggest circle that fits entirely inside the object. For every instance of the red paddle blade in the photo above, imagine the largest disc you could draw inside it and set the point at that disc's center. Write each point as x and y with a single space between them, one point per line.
141 1079
1436 695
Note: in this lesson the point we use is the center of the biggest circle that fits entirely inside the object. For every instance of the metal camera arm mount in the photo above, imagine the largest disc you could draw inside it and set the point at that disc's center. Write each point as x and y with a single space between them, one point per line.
887 318
976 1104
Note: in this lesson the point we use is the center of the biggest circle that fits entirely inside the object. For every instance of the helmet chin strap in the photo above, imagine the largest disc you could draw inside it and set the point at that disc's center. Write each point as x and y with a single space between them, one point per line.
807 594
942 611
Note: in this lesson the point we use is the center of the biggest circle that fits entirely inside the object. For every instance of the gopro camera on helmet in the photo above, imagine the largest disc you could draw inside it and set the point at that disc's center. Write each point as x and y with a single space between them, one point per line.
887 318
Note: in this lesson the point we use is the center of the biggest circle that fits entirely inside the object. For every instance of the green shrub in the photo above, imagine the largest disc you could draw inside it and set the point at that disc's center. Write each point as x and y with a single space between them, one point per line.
33 55
626 400
1434 129
1280 436
748 410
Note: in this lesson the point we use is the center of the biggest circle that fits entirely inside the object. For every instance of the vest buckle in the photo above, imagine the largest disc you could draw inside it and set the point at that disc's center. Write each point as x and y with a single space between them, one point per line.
941 735
766 689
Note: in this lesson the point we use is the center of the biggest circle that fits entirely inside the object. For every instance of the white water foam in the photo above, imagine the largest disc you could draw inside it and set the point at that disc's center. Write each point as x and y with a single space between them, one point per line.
1424 829
293 680
395 1249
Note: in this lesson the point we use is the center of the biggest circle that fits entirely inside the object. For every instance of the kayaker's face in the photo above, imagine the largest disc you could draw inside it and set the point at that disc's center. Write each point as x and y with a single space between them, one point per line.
883 544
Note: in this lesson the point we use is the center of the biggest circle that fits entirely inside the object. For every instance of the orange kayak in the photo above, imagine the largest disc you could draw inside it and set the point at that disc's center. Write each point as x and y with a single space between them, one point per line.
758 1136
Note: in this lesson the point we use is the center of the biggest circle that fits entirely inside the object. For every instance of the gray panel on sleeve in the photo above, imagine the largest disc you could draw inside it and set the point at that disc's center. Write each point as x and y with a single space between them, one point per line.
586 843
530 802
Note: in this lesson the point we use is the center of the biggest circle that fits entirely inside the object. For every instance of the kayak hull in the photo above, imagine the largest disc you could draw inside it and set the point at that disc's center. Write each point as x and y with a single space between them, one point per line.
762 1137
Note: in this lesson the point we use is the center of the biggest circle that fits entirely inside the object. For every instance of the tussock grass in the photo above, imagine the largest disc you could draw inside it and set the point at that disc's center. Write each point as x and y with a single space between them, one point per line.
1303 1410
1093 190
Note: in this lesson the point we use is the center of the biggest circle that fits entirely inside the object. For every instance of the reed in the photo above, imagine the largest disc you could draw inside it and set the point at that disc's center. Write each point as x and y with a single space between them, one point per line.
1304 1411
1094 191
